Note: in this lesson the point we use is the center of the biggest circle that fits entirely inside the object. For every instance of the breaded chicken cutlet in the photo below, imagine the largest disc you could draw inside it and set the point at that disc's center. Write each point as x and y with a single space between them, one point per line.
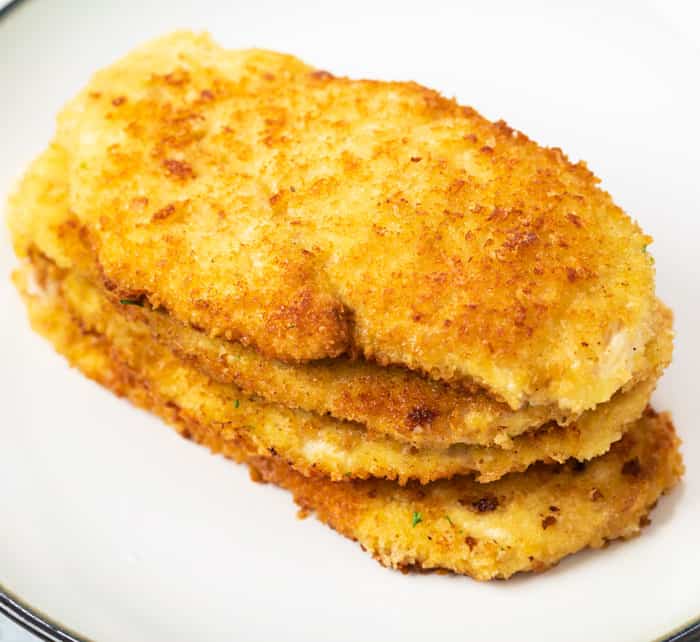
522 522
319 445
310 443
371 295
309 216
387 401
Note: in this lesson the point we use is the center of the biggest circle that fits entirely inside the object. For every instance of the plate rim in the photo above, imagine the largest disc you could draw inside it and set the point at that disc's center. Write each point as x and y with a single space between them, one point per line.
33 620
47 628
5 11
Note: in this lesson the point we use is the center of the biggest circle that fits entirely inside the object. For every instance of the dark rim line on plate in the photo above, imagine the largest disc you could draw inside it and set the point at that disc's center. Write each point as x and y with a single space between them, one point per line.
44 628
30 619
9 7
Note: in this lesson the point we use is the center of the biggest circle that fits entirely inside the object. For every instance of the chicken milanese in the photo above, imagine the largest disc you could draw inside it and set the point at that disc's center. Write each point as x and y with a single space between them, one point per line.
519 523
314 444
309 216
388 401
436 334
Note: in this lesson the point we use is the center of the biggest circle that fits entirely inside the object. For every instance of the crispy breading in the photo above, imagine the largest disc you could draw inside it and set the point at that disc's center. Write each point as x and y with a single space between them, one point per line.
388 401
316 445
312 216
523 522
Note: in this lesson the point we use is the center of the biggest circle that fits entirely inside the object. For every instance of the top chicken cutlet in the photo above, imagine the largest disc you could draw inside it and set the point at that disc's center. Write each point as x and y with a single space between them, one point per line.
309 216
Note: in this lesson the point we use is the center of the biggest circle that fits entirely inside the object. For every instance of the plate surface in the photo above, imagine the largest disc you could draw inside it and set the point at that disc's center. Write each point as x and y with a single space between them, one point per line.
119 529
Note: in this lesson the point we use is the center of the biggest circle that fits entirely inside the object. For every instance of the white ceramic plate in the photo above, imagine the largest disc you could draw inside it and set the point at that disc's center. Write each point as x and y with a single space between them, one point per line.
120 530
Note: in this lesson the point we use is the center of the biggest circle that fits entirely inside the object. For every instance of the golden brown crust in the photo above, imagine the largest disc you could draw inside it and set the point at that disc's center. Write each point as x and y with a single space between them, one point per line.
310 216
523 522
390 401
315 445
277 212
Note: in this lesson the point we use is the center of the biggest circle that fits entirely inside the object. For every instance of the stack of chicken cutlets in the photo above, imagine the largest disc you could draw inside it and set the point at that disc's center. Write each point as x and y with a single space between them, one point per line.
438 335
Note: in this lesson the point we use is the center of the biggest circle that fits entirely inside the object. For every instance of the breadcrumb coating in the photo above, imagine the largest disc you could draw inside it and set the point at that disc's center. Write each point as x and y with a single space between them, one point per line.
523 522
387 401
436 334
315 445
311 216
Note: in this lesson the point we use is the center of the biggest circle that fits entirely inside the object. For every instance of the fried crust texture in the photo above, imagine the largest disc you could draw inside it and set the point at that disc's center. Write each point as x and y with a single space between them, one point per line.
315 445
388 401
523 522
310 216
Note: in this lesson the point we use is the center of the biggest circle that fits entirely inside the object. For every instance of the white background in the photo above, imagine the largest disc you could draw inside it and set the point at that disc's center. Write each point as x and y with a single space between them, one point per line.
121 530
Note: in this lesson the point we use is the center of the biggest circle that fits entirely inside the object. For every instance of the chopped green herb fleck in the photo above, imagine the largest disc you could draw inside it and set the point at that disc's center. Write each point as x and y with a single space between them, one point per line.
447 517
417 518
348 474
236 403
137 302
